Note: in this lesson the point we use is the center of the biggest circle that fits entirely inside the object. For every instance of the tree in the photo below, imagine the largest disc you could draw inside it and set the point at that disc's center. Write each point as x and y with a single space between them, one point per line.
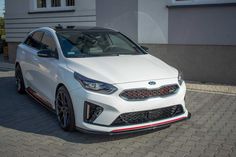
2 27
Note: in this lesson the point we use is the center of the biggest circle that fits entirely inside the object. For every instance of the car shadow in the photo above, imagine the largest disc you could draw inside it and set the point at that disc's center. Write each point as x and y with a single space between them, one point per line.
23 113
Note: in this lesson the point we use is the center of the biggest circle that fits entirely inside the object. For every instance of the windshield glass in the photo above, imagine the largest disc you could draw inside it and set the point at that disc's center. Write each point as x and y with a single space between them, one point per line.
76 44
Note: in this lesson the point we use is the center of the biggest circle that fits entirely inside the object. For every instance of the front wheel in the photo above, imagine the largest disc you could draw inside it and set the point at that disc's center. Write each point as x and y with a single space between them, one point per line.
64 110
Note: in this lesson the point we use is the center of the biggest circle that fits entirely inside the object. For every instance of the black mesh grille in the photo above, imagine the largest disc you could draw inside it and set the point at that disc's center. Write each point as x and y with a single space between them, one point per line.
141 94
148 116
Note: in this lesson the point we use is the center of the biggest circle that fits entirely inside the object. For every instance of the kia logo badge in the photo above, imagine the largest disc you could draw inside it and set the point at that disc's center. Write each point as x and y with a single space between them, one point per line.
151 83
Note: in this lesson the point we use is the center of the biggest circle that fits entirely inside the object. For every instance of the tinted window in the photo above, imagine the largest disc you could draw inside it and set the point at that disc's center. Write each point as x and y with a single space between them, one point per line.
48 43
34 40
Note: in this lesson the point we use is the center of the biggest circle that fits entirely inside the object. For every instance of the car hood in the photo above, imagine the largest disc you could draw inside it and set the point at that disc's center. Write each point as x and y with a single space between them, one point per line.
122 69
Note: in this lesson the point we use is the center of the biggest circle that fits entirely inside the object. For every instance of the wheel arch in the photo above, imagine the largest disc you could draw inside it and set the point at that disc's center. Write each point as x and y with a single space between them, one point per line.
55 93
58 86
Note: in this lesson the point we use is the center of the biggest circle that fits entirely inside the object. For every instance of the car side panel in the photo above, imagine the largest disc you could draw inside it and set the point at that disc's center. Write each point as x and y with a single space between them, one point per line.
43 75
48 76
25 57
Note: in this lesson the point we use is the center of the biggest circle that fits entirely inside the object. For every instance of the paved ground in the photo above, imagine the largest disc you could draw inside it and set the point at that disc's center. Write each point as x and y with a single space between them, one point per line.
4 64
27 129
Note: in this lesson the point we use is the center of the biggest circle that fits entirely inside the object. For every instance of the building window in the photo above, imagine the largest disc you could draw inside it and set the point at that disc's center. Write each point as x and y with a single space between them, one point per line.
70 2
55 3
41 4
51 5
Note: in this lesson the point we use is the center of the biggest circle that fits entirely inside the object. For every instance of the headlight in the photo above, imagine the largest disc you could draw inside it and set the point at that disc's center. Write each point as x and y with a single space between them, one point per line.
93 85
180 78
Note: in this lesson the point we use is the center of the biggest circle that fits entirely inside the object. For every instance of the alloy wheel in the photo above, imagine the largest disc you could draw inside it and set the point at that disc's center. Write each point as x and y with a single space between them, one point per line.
62 109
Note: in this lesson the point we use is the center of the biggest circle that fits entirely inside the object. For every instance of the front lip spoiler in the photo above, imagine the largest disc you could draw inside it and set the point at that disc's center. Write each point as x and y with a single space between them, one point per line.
159 125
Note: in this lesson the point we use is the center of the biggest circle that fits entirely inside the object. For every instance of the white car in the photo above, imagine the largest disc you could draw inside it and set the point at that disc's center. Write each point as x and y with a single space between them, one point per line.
98 80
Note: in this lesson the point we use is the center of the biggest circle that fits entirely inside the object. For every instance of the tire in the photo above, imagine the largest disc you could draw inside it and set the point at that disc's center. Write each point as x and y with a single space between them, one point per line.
20 85
64 110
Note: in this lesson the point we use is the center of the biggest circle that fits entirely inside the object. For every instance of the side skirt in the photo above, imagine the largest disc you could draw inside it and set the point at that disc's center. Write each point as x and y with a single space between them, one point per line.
40 99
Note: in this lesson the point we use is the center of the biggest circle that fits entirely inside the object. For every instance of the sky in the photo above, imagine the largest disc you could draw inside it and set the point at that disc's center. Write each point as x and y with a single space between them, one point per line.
2 6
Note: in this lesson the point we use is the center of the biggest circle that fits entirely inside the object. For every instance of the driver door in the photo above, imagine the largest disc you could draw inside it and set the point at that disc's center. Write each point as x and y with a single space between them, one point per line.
48 68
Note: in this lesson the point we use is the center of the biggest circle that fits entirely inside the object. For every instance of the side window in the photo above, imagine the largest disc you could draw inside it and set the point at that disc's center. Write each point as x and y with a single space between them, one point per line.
28 41
34 40
48 43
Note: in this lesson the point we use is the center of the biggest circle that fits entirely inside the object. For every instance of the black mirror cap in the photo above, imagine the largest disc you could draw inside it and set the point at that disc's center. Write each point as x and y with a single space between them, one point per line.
145 48
46 54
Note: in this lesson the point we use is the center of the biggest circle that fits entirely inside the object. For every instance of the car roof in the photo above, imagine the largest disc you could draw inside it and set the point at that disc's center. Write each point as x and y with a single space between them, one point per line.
83 29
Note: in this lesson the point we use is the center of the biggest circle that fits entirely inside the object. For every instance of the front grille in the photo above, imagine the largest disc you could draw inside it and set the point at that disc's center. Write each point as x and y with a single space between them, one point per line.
142 94
148 116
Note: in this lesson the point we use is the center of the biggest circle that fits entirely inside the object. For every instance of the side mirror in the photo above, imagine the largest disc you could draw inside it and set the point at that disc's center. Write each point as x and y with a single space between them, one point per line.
45 53
145 48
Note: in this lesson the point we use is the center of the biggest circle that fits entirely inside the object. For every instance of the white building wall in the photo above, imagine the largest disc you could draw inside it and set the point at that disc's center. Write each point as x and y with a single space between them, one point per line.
153 21
153 18
19 21
120 15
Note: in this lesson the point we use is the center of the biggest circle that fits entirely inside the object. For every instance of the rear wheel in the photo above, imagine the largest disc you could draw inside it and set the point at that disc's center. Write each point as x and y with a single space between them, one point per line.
20 86
64 110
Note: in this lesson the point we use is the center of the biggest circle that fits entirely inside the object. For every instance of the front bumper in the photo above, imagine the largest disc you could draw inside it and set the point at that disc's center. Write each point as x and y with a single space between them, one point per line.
114 106
154 126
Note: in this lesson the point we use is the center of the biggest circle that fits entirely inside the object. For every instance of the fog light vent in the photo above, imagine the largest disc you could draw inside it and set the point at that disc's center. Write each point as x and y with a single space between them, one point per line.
91 112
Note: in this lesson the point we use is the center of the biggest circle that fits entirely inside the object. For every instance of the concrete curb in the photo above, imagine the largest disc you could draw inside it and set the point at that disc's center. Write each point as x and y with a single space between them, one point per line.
6 66
212 88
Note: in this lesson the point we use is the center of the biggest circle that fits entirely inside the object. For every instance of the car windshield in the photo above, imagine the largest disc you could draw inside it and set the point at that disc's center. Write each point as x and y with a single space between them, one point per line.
76 44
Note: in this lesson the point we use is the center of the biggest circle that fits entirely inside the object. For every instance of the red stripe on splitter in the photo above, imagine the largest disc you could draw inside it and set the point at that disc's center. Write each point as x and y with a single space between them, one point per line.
149 126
